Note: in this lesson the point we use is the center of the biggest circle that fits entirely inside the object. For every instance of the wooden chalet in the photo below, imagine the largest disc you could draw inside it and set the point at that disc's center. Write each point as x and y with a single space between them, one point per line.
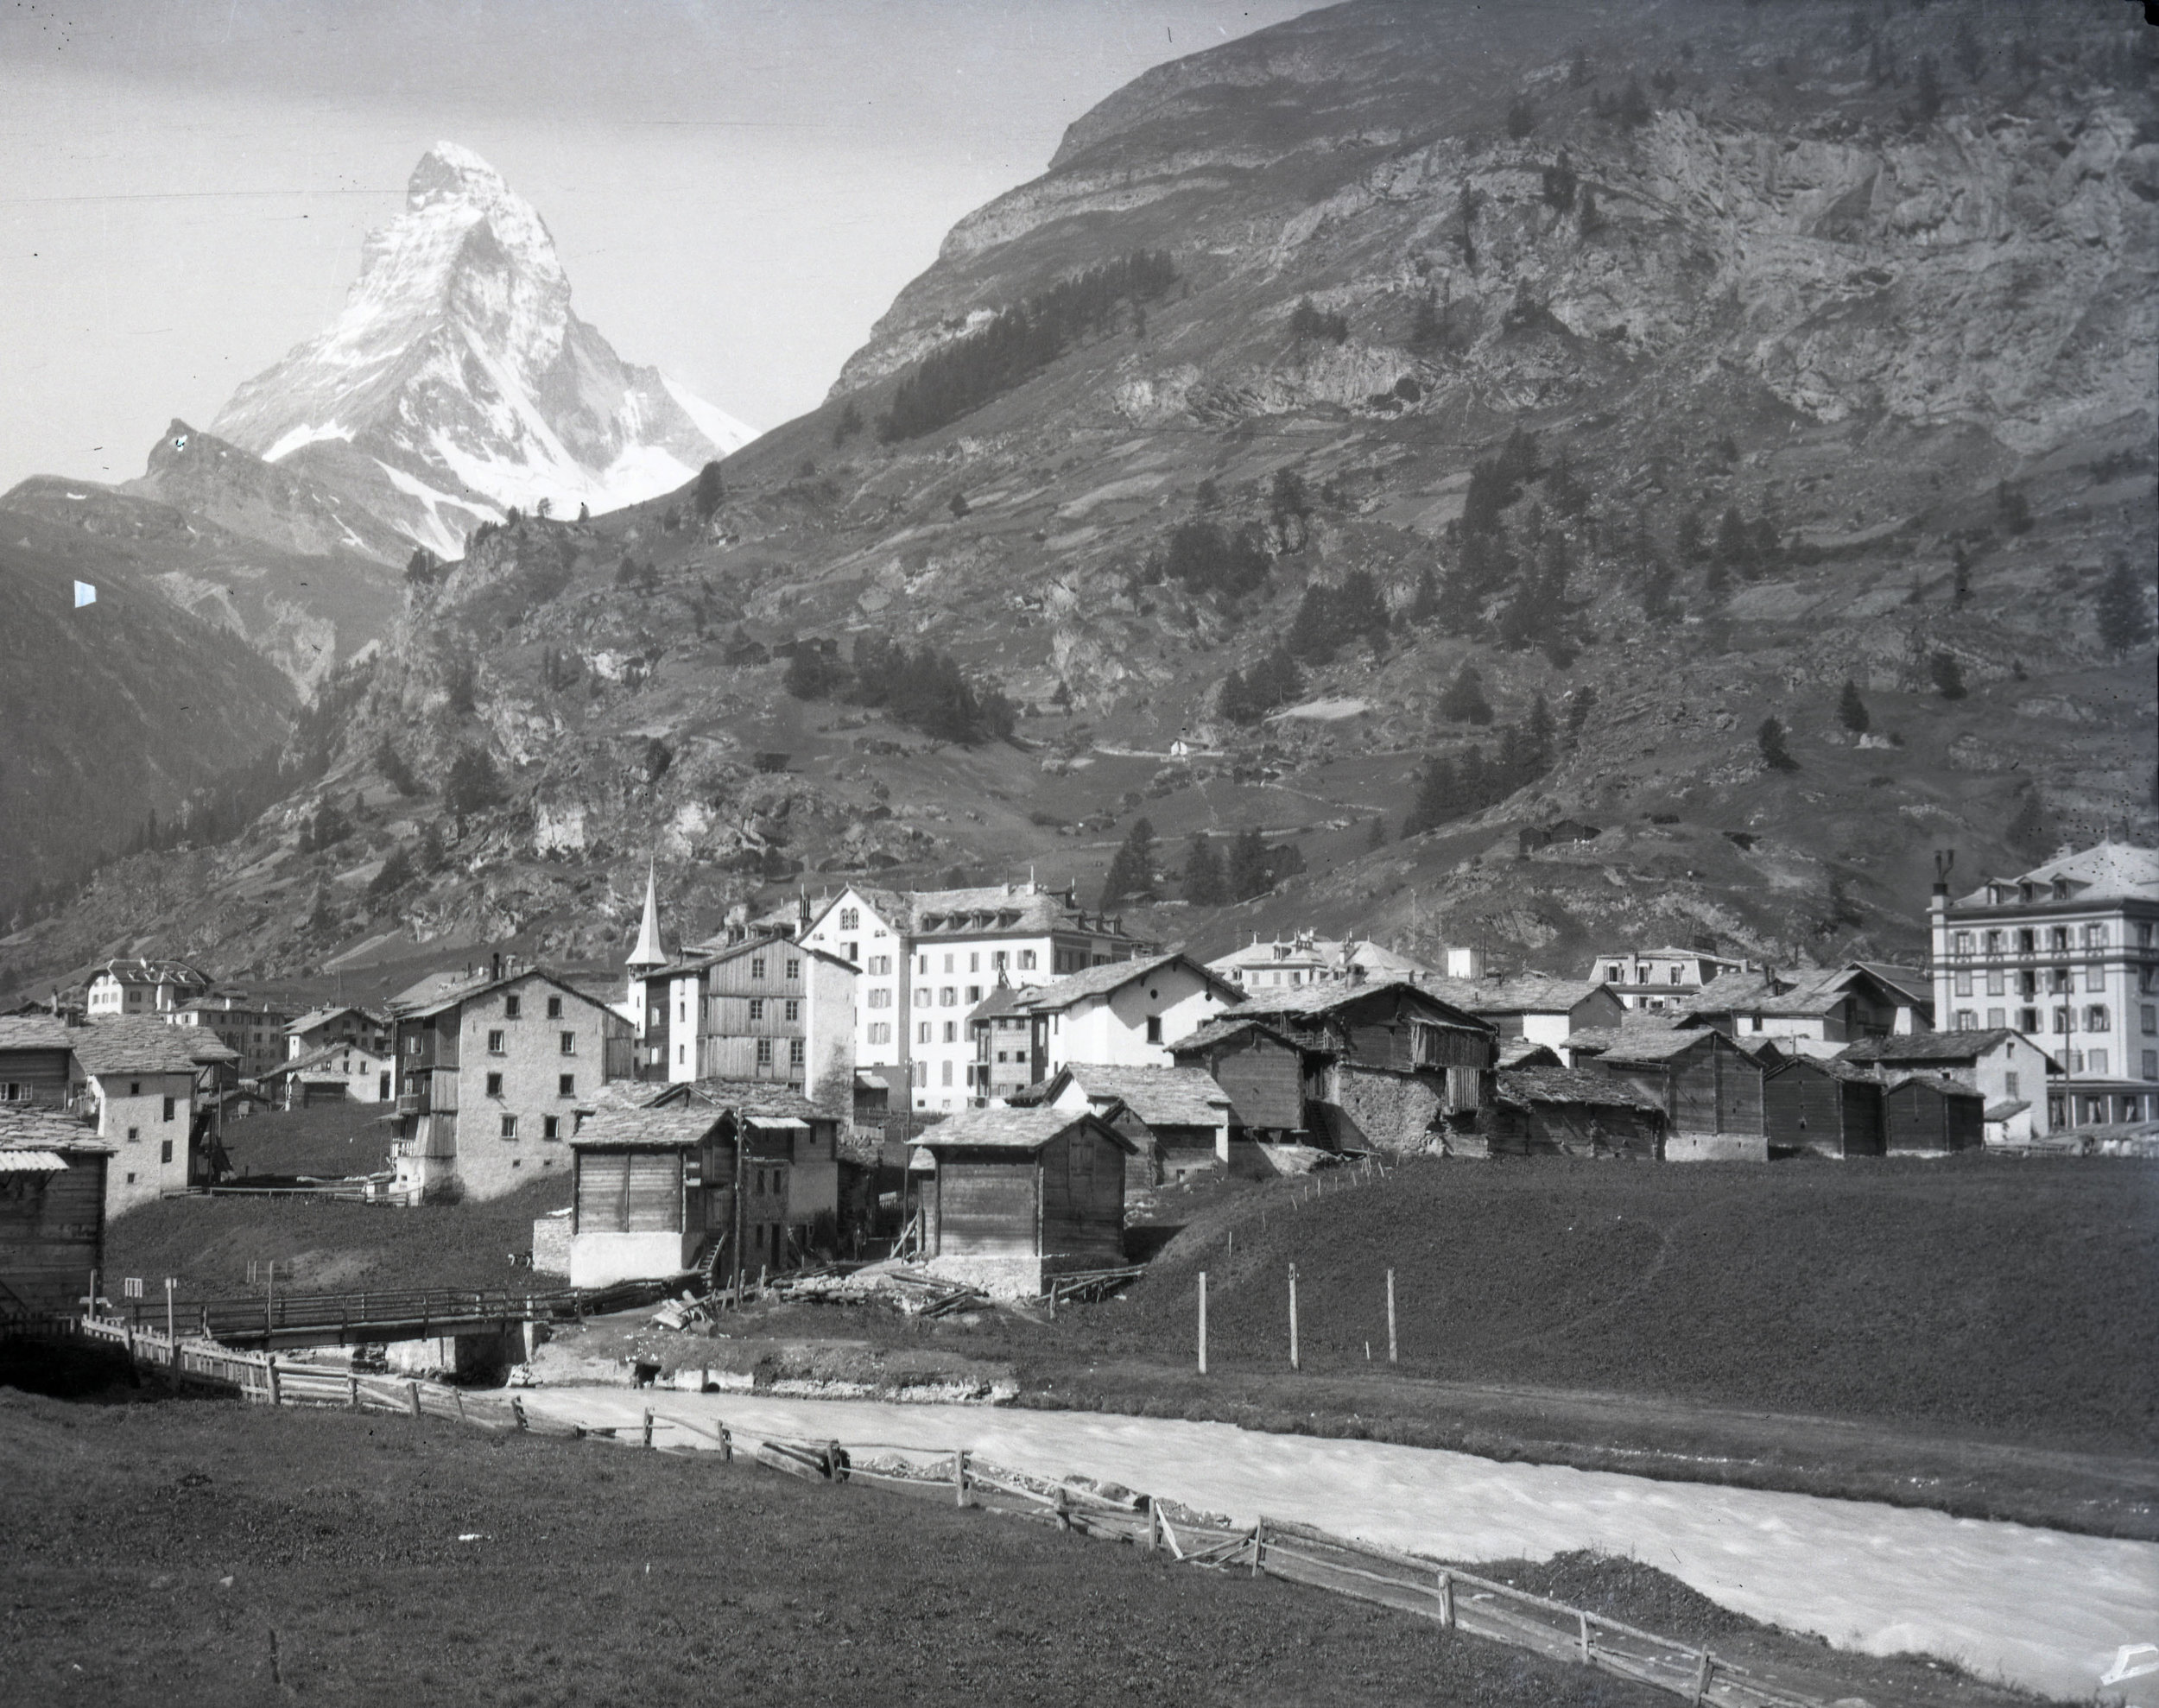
1011 1197
1821 1108
1559 1111
1266 1073
1924 1113
34 1059
1709 1088
1400 1066
716 1176
52 1212
1178 1118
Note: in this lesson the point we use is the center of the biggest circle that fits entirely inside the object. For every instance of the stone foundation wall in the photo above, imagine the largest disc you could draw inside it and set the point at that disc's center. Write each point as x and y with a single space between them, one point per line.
1717 1147
1391 1112
551 1245
999 1277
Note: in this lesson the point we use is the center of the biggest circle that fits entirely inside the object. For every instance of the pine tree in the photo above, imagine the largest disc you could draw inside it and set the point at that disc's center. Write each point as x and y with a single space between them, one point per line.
1248 875
1376 837
474 784
430 855
1204 883
1851 711
1522 119
396 874
1425 605
396 772
1434 802
2123 621
712 491
1464 702
1580 704
2029 834
1960 584
1539 732
1770 739
1735 546
1949 675
1132 869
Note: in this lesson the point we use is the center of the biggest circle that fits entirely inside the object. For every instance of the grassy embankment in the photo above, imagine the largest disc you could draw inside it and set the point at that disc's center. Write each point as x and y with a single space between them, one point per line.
185 1552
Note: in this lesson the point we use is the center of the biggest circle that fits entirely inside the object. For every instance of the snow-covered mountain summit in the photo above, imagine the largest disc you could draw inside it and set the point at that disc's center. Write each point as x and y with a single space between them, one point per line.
458 380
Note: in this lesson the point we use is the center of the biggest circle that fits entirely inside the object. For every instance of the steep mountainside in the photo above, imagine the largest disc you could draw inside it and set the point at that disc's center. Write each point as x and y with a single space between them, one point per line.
1672 366
216 481
111 710
458 381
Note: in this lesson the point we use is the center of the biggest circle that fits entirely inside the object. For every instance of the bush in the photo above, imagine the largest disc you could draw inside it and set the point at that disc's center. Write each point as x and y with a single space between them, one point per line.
1770 739
474 784
1464 702
1949 675
1522 118
396 772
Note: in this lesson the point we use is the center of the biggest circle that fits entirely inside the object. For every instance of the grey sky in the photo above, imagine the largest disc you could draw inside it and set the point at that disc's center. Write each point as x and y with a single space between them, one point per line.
738 187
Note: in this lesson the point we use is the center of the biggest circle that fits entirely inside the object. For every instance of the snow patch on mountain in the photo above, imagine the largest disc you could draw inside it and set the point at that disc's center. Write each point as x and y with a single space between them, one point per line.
458 370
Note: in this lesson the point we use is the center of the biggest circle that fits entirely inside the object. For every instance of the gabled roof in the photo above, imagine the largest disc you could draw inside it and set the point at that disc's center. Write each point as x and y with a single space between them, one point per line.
1522 1086
1525 993
705 961
1236 1024
2007 1110
315 1017
144 1044
1098 981
1161 1097
2110 871
1012 1130
755 1098
1833 1066
1313 1002
31 1127
981 908
1929 1082
141 971
648 1127
322 1057
1931 1047
1911 983
1639 1042
1520 1052
1002 999
414 1004
35 1032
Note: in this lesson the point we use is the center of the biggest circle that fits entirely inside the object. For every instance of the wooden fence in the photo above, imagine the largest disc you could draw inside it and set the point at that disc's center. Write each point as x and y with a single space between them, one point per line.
1428 1589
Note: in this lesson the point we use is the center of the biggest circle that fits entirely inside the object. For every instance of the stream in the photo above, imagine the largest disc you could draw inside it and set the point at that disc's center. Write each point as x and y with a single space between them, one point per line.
2043 1608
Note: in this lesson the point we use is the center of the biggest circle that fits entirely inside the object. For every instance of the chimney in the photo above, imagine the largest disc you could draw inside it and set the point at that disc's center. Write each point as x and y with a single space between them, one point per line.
1466 964
1945 860
802 911
494 965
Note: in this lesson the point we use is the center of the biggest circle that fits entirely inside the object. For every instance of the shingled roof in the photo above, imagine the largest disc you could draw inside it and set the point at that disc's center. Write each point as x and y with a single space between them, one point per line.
1161 1097
143 1044
1013 1129
1320 999
648 1127
1637 1042
35 1032
1525 993
757 1098
1931 1047
1522 1086
1097 980
33 1127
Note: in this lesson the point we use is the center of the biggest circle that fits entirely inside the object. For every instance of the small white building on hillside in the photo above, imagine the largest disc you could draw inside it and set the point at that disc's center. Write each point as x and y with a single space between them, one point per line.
1126 1015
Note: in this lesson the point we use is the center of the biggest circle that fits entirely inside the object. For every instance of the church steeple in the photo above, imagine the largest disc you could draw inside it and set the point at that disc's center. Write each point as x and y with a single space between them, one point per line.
648 954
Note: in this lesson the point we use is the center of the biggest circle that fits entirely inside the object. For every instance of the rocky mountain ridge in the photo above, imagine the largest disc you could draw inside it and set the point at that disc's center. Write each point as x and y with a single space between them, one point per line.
1669 368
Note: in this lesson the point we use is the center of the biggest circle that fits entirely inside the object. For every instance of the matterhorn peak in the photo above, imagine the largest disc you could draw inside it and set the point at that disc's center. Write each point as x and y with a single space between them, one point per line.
458 381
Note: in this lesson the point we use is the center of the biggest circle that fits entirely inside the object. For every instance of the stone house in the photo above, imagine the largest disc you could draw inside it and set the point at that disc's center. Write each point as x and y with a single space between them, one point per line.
253 1031
1269 1076
148 1090
346 1071
1816 1013
1011 1197
492 1074
1534 1007
320 1029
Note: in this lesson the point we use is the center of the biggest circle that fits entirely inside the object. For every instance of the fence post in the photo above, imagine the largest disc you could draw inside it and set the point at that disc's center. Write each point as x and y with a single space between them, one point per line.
1292 1316
648 1440
277 1390
1154 1527
1582 1655
1390 1316
1064 1507
412 1387
835 1462
172 1333
960 1477
1259 1546
1447 1601
517 1411
726 1444
353 1404
1704 1664
1203 1322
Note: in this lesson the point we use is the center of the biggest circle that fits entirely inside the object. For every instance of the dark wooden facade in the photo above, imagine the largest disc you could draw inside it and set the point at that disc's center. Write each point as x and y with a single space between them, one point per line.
1926 1115
1266 1078
1064 1199
1554 1112
1706 1084
51 1232
34 1074
1821 1108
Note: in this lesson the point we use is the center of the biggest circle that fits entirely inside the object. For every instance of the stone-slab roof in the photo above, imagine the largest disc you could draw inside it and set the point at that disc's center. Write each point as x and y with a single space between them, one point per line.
1161 1097
143 1044
1013 1129
1522 1086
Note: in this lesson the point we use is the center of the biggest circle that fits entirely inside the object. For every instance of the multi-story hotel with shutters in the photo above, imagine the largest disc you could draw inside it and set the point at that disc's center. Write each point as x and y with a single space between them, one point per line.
2066 953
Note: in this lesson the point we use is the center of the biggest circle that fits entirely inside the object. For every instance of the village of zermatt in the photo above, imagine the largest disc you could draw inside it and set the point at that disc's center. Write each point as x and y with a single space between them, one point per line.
1395 851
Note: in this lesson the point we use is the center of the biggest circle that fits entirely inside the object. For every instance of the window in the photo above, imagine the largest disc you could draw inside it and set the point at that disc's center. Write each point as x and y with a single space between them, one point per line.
511 1007
168 1109
2059 979
2144 936
135 1088
568 1040
2147 1019
565 1085
921 963
2009 1084
2151 1064
793 1010
1027 961
998 960
947 1077
1961 943
165 1151
554 1008
1964 981
2095 1018
2026 940
922 996
1154 1028
948 960
1993 942
2058 937
880 999
881 1032
794 1053
2095 937
2028 1020
1966 1021
974 962
947 995
2096 1061
1614 976
495 1042
509 1126
764 1053
2061 1021
952 1034
2028 983
682 1012
921 1033
494 1084
551 1127
1997 982
756 1008
1675 975
851 919
974 995
135 1137
852 949
757 967
1995 1021
880 965
2095 976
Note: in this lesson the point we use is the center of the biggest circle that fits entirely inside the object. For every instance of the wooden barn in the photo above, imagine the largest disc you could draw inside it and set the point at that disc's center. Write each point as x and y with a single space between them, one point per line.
1401 1067
1559 1111
1709 1088
1924 1114
1010 1198
1177 1117
52 1212
1266 1074
35 1059
1821 1108
704 1175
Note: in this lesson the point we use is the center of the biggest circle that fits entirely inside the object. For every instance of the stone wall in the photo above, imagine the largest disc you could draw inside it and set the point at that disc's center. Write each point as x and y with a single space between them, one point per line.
1376 1110
1717 1147
551 1245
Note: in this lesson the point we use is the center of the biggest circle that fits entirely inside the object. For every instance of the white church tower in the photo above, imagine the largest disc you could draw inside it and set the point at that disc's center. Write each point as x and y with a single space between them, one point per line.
647 959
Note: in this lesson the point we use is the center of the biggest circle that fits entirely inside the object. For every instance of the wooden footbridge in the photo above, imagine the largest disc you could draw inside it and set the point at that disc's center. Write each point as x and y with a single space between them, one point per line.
296 1319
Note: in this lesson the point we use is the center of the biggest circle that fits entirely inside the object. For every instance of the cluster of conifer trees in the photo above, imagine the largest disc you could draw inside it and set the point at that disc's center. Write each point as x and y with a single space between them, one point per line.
1020 341
1209 879
924 689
